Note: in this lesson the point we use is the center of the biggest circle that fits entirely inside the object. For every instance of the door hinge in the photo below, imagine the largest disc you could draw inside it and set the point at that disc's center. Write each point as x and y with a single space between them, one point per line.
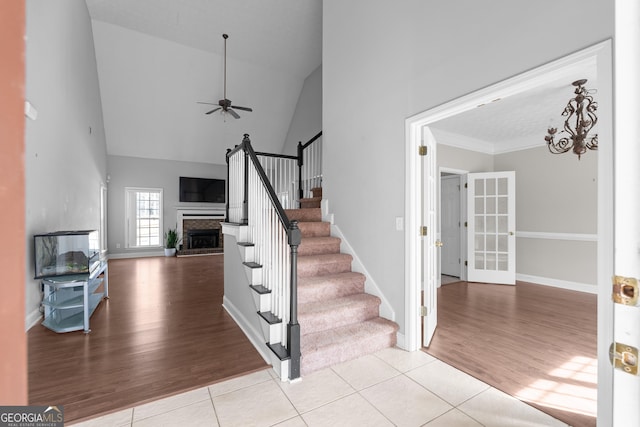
424 311
466 263
423 230
625 290
466 185
422 150
624 357
466 224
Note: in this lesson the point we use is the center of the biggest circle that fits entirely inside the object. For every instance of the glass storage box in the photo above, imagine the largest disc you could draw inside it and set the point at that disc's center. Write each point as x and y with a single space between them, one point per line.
66 252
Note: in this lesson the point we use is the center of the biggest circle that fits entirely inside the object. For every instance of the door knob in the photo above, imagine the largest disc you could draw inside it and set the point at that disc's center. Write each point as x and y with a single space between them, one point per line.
439 243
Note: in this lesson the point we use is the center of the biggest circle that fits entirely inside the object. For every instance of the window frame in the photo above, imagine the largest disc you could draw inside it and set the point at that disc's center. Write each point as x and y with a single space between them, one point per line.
130 212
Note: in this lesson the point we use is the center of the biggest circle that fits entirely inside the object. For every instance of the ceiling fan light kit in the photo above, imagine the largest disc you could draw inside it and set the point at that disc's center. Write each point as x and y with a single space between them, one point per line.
225 105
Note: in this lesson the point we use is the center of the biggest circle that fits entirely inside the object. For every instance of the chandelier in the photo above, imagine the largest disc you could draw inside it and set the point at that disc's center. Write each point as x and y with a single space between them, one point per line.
581 118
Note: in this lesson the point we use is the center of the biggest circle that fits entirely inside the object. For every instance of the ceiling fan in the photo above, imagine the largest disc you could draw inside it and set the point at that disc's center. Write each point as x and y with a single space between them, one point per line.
225 104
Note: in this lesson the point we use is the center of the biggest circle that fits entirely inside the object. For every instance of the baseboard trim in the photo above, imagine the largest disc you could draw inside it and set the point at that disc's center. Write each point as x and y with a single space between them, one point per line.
253 335
400 343
124 255
32 319
557 283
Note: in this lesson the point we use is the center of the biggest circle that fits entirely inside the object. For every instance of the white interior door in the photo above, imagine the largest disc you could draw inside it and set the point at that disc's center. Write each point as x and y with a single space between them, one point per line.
491 248
450 225
429 249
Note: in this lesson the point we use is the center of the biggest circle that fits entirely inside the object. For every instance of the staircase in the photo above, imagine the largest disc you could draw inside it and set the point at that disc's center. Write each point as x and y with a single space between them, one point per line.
338 320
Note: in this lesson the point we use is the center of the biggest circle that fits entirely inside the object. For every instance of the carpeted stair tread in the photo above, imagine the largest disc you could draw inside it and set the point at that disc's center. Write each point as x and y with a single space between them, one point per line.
314 265
319 245
307 215
316 192
314 229
348 342
328 314
318 288
310 202
338 320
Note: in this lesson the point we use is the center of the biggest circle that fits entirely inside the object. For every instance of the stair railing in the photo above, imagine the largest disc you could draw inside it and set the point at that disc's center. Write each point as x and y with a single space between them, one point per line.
293 177
281 172
309 165
252 200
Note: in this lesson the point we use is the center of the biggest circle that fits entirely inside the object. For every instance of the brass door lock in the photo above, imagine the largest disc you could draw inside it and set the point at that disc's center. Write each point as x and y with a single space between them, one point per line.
625 290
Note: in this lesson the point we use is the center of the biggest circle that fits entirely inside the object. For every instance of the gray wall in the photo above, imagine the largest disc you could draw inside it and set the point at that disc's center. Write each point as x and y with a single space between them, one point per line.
137 172
307 118
65 156
461 159
555 194
405 58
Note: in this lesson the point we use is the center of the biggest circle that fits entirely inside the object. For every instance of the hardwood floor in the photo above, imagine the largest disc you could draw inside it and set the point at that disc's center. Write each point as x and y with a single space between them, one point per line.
534 342
162 331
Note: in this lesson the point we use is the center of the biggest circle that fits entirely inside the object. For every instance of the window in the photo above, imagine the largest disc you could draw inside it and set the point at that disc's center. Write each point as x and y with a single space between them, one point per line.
144 217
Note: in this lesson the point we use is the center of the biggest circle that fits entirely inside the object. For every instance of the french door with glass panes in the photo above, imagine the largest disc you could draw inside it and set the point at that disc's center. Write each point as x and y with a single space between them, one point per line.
491 248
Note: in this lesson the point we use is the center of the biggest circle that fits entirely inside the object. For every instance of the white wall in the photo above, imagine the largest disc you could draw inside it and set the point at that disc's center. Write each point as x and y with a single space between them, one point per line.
150 173
307 119
65 154
407 57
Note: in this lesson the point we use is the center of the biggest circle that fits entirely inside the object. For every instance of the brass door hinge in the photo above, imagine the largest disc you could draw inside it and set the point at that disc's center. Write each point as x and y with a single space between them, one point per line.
422 150
423 230
624 357
424 311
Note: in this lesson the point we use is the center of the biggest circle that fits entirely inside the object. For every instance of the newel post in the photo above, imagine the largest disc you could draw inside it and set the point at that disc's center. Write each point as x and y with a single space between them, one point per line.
226 219
293 328
300 164
246 142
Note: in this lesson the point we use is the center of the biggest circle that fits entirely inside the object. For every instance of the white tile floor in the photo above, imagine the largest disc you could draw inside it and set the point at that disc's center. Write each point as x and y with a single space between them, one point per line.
391 387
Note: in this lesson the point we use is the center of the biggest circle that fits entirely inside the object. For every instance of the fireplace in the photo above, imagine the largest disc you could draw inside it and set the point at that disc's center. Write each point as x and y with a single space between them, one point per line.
201 231
202 238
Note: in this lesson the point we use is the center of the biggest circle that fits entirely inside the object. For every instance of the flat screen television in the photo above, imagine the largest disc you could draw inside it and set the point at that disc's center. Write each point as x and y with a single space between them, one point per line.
203 190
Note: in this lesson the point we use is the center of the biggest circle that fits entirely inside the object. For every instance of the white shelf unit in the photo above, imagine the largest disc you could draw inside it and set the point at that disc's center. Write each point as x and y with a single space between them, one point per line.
69 301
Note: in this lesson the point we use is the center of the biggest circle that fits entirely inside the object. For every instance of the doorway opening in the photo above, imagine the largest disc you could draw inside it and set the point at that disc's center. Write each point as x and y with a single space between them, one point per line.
419 249
452 218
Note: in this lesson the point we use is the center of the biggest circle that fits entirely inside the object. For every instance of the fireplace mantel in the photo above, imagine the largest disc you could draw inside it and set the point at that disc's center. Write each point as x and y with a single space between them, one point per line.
197 213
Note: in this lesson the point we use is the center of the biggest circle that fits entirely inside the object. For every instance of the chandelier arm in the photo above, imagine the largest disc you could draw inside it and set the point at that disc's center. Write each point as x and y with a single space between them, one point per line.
562 146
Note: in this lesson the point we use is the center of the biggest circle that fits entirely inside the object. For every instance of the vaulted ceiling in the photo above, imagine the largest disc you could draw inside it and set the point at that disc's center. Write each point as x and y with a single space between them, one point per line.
157 58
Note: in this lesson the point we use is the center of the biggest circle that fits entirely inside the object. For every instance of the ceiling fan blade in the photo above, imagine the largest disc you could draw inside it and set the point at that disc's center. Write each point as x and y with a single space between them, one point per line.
242 108
213 111
233 113
208 103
